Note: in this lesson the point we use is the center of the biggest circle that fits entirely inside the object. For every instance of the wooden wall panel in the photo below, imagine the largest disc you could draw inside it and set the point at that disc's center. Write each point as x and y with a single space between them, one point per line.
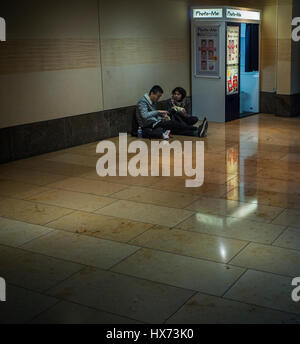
38 55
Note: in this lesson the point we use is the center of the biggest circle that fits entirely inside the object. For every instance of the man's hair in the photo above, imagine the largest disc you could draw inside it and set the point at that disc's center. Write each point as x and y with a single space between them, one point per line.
180 90
156 89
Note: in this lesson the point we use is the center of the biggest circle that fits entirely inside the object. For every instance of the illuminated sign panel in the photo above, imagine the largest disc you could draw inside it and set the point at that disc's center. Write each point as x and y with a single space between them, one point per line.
240 14
208 13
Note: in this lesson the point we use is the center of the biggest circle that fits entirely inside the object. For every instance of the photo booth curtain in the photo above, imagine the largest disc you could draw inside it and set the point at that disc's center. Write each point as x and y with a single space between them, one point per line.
252 48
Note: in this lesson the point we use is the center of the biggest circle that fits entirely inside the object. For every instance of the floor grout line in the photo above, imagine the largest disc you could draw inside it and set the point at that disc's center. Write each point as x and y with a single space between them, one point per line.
278 215
130 241
180 307
240 251
60 300
278 236
43 312
235 282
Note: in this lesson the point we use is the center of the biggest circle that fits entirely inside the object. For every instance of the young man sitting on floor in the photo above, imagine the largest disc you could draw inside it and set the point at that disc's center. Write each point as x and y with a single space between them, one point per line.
180 108
149 117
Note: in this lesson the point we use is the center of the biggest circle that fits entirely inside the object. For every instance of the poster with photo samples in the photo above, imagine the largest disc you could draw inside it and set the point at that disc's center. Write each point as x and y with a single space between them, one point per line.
207 50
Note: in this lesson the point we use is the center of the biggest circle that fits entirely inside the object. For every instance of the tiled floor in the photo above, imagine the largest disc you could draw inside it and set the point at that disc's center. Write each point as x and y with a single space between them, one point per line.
79 248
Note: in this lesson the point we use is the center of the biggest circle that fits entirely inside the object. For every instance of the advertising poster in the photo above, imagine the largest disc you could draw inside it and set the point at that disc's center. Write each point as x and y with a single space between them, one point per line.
207 51
233 52
233 45
232 79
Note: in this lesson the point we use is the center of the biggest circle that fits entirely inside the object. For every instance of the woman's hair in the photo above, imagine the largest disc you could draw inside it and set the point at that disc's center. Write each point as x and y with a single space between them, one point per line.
180 90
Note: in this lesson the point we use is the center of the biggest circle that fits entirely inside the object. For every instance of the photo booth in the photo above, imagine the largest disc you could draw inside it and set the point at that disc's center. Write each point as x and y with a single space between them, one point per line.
225 62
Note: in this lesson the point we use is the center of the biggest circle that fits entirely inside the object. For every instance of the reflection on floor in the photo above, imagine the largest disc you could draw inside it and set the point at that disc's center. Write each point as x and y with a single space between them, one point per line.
246 114
77 248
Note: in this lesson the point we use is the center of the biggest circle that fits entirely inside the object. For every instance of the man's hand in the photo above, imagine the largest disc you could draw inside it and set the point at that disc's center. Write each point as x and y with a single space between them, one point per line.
183 113
165 115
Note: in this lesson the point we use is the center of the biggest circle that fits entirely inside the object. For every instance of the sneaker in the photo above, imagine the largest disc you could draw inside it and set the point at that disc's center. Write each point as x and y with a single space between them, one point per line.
166 135
205 130
201 129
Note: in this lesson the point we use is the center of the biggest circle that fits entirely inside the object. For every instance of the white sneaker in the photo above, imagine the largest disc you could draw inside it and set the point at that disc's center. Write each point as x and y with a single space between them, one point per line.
166 135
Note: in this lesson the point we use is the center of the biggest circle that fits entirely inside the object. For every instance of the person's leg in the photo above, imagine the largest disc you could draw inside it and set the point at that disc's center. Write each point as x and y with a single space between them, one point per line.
191 120
178 128
178 118
188 120
150 133
175 125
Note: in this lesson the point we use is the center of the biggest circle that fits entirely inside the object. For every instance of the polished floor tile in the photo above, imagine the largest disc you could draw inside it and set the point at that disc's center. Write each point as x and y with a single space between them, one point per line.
146 213
22 305
81 249
288 217
232 227
31 212
290 238
72 200
93 187
262 154
217 178
19 190
291 157
16 233
77 159
272 198
140 300
180 271
29 176
100 226
206 309
281 174
71 313
59 168
269 258
163 198
128 180
241 210
275 185
178 185
265 289
33 271
191 244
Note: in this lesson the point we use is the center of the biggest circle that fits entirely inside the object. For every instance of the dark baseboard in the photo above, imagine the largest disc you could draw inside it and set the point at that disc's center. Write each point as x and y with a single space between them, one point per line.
23 141
280 105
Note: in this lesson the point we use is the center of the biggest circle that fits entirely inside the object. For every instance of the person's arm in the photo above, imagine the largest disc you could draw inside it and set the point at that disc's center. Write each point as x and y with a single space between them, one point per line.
169 106
144 111
188 107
